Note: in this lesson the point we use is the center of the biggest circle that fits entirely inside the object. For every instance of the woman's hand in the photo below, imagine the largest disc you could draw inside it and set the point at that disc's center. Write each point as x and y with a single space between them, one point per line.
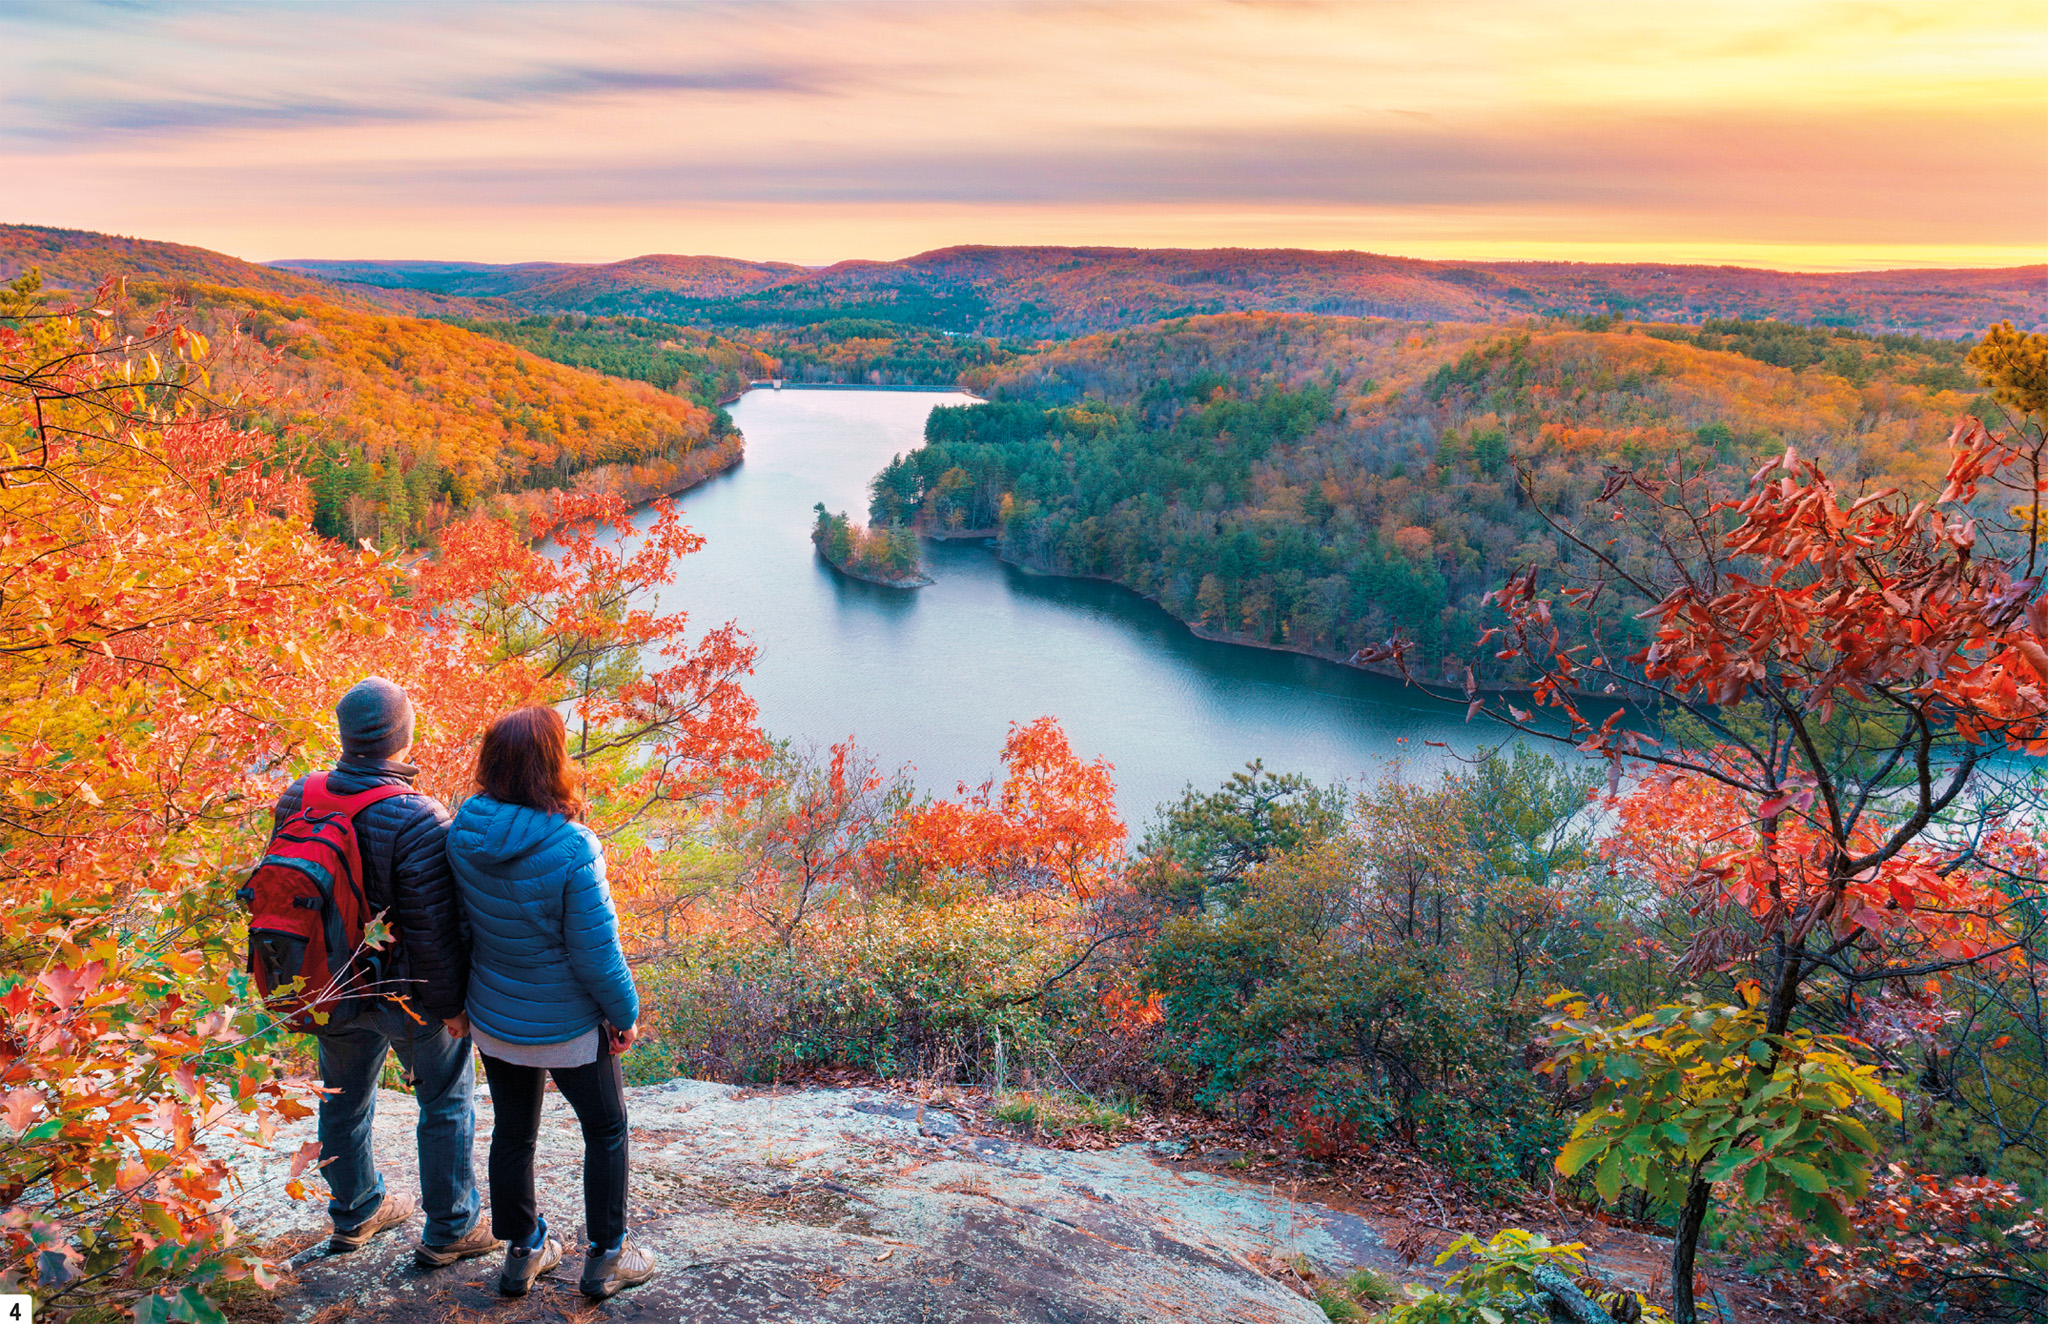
623 1039
458 1024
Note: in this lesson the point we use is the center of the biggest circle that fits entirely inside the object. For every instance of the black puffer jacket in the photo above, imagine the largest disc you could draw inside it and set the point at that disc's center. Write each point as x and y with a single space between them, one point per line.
404 843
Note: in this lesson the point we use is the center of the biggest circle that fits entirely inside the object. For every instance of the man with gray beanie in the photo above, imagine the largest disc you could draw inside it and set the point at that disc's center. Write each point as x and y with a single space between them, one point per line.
403 843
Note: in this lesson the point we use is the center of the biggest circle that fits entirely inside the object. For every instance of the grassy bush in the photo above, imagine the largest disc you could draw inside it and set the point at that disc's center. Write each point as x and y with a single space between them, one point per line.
901 989
1059 1111
1361 1296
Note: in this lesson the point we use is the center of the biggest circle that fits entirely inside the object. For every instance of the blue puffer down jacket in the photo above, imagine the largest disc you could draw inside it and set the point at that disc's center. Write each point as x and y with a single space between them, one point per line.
545 965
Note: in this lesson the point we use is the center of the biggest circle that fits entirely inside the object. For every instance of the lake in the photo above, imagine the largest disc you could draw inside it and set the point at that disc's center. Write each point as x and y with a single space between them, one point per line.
933 677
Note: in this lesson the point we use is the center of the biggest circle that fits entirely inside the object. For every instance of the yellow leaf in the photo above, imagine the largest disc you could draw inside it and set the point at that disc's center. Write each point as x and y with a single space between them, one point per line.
1579 1152
1863 1084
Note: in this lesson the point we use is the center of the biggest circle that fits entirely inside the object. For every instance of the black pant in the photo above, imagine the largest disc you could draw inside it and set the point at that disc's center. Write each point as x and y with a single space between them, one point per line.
598 1094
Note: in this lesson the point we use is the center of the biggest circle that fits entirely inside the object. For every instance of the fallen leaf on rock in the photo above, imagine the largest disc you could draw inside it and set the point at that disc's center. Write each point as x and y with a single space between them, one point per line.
823 1281
1412 1246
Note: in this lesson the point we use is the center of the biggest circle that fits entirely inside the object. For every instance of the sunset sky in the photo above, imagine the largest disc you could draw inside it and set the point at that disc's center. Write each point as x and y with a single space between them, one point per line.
1782 133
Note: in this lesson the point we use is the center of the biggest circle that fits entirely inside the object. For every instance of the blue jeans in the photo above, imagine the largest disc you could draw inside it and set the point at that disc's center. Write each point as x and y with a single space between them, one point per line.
443 1071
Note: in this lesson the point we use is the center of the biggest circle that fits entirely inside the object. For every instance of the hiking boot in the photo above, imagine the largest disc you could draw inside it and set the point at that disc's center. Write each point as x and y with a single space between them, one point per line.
477 1241
615 1270
523 1264
394 1210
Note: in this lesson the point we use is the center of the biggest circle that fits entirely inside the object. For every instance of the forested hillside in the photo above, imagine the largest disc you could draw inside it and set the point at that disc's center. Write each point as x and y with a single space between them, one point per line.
860 351
1045 291
703 366
1322 483
710 367
408 423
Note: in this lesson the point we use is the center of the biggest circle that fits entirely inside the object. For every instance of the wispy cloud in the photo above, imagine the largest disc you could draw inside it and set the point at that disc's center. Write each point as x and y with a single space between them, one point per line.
172 117
553 84
92 120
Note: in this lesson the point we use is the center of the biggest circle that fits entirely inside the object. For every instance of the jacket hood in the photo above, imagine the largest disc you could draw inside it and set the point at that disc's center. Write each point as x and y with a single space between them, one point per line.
494 832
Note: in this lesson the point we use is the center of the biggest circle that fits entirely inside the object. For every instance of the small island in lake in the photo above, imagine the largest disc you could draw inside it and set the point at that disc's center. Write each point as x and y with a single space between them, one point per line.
887 556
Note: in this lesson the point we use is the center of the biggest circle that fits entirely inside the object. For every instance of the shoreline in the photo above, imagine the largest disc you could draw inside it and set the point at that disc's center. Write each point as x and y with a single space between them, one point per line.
784 384
1200 631
1215 636
641 502
864 577
769 385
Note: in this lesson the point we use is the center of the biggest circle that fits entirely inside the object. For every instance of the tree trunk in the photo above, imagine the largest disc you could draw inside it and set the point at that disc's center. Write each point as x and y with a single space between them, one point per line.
1784 989
1574 1304
1692 1220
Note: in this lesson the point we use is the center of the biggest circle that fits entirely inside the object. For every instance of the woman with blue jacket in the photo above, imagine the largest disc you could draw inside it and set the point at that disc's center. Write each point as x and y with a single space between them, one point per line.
549 993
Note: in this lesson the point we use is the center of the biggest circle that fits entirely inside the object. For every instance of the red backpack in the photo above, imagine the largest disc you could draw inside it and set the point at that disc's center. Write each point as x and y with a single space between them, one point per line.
308 912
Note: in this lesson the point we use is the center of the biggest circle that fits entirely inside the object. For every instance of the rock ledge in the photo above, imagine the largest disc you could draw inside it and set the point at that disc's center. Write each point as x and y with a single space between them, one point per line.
819 1206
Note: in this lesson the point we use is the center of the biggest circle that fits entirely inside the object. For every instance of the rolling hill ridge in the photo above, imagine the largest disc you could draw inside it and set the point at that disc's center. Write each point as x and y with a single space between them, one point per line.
78 260
1063 291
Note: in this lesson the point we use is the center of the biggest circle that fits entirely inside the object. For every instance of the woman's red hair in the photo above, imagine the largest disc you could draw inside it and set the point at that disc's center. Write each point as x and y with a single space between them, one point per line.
525 761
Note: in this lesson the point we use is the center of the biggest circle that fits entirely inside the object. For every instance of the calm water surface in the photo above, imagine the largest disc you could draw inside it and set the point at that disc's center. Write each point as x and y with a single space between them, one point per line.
933 677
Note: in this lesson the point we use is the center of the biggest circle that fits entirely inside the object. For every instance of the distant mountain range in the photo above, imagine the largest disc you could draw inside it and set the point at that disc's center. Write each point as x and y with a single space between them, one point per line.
1047 292
561 284
1033 292
81 259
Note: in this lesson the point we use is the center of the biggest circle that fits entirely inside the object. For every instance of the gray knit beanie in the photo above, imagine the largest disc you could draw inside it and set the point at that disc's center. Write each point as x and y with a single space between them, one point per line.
375 719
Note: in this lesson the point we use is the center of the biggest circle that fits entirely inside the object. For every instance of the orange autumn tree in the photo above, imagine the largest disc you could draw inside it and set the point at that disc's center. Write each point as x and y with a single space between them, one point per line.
1418 853
1846 687
829 828
1052 824
1047 843
817 836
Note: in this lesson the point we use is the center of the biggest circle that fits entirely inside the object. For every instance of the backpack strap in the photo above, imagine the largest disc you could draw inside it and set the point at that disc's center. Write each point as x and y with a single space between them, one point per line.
315 795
